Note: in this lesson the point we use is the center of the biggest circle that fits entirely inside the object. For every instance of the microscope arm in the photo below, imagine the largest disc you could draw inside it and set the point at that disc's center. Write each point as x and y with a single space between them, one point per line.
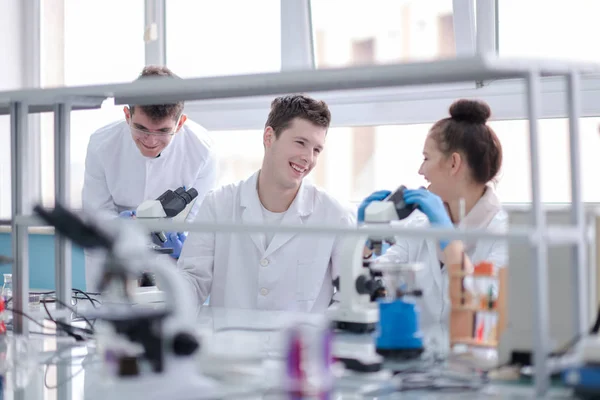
179 297
178 292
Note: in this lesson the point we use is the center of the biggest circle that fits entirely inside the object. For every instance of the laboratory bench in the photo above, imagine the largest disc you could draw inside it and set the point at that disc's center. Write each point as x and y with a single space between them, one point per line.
243 352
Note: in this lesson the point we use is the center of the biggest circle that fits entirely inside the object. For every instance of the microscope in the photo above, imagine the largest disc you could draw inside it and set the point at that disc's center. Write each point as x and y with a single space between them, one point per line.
142 347
370 296
171 204
582 369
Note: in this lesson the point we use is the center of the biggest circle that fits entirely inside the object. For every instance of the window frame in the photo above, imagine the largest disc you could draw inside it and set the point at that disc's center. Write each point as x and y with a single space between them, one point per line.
414 105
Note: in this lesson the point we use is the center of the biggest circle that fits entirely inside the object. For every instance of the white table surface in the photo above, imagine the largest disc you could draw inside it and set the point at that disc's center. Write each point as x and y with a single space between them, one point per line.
233 335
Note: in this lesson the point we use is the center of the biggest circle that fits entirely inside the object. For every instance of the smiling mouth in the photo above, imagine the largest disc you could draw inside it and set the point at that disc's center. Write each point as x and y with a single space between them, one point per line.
298 168
150 147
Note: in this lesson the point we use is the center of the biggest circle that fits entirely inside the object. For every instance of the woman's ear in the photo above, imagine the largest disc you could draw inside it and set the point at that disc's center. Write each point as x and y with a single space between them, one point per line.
456 162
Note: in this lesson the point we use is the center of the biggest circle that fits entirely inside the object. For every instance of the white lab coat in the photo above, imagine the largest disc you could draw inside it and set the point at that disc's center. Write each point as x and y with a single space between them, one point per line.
434 306
118 177
294 273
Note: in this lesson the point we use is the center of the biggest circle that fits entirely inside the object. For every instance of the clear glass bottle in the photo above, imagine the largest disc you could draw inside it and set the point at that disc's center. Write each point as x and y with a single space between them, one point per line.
7 287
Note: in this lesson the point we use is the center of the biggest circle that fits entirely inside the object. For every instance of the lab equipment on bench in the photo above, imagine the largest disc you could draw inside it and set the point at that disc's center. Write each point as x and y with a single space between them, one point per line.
7 291
308 363
358 285
399 334
517 342
171 204
583 375
142 347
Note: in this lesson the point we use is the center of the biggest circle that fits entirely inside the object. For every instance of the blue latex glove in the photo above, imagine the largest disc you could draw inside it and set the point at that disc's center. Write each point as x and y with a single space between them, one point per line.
432 206
375 196
175 241
127 214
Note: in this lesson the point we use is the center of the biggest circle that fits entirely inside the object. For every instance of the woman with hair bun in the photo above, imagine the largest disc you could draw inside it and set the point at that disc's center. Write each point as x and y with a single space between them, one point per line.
462 156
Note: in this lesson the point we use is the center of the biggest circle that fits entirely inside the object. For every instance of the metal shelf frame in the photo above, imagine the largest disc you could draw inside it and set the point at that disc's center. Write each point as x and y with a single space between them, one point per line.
464 69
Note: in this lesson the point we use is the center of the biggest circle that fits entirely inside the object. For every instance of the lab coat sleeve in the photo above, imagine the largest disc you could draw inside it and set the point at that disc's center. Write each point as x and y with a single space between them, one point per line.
205 182
95 194
397 253
196 261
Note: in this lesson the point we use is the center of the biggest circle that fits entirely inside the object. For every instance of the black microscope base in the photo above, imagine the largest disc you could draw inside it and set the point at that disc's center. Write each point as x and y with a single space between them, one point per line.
400 354
354 327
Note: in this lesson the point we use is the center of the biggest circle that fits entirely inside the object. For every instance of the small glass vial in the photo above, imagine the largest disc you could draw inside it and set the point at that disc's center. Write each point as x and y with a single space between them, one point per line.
7 287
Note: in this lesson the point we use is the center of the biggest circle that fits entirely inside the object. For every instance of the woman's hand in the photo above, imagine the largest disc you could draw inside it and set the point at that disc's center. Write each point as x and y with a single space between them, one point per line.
379 195
432 206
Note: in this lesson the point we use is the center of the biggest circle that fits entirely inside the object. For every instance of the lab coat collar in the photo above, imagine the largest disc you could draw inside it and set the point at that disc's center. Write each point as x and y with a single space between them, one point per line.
479 217
483 211
301 207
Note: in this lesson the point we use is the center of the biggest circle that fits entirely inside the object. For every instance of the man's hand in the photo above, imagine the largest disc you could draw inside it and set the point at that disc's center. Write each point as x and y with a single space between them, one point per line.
127 214
175 241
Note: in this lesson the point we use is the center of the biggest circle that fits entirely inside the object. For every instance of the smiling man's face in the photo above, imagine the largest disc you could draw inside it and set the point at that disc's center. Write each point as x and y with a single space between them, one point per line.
152 136
293 154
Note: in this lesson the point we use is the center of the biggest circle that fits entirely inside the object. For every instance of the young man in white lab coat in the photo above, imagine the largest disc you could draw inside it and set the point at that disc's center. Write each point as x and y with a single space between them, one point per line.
280 271
154 149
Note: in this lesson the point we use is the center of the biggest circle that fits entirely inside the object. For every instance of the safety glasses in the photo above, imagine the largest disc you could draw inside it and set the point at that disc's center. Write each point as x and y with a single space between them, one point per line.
157 134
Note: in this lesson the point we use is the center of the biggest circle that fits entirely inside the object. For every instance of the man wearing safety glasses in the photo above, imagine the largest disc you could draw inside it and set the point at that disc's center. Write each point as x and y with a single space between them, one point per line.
154 149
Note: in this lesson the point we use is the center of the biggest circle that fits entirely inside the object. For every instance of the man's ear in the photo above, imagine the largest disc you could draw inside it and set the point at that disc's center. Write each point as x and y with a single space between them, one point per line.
127 113
182 120
268 137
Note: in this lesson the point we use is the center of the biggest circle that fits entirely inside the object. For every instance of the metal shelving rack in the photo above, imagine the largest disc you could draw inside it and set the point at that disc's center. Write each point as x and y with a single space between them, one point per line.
480 68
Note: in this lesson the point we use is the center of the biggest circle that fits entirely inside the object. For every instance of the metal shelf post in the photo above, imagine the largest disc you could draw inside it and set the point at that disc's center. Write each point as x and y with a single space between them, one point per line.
539 247
62 189
20 164
578 213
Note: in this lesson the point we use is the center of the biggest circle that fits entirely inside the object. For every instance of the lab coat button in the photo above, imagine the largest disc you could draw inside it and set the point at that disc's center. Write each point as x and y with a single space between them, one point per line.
264 262
264 291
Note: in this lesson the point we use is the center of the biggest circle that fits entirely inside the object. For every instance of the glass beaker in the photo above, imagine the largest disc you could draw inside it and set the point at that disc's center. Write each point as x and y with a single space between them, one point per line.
7 287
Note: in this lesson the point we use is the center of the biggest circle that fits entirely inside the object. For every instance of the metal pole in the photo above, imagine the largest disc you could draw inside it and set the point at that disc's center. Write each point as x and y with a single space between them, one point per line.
577 210
539 249
485 43
155 36
19 135
463 12
62 159
297 45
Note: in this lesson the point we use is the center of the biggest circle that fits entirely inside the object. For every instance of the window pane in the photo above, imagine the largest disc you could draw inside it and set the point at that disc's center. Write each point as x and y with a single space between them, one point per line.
103 41
91 52
551 29
360 160
366 32
515 179
224 37
240 154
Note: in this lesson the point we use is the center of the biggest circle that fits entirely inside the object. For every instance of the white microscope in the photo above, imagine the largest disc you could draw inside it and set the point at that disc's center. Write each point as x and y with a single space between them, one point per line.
358 284
146 351
171 204
175 205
